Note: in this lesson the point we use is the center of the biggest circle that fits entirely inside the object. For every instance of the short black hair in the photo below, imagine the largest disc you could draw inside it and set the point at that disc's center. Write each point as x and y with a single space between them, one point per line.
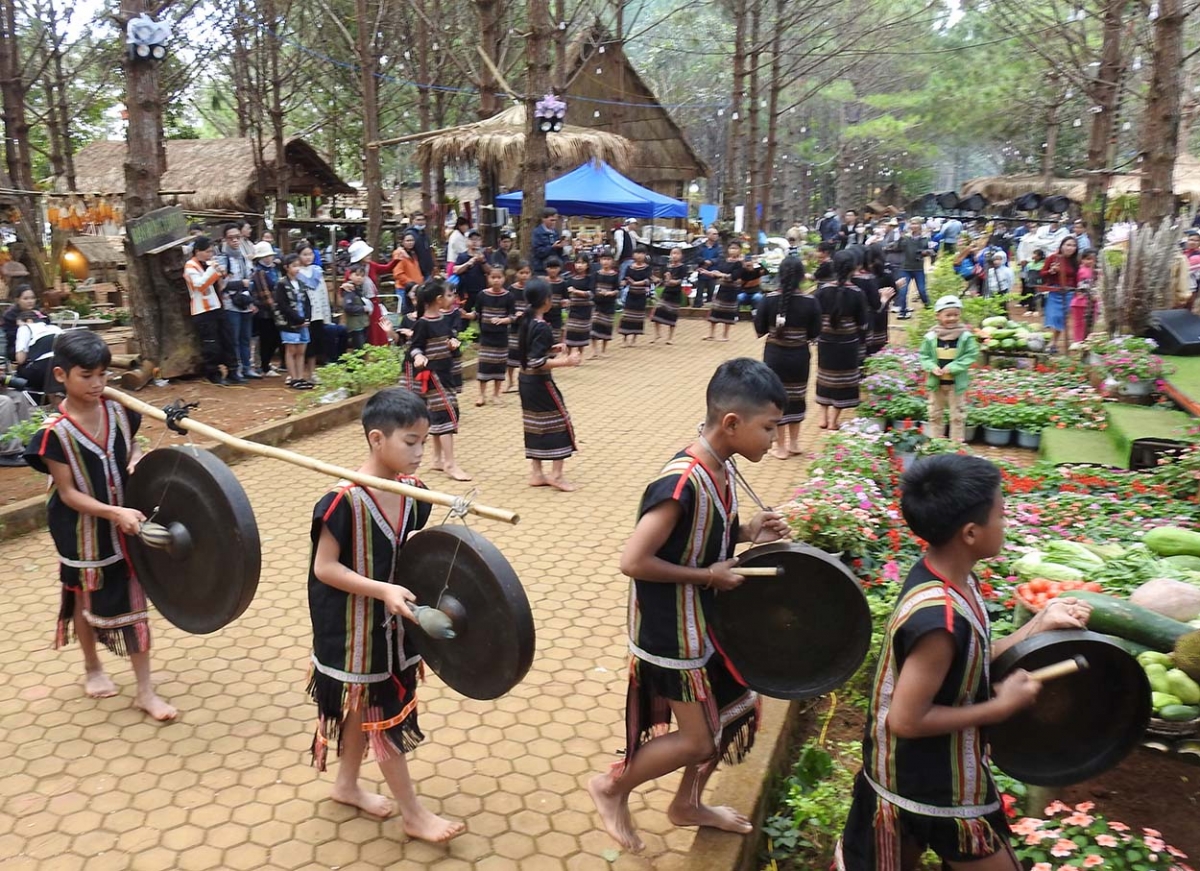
195 228
827 247
462 222
552 263
231 226
289 259
549 212
743 385
393 408
81 348
941 494
471 233
201 243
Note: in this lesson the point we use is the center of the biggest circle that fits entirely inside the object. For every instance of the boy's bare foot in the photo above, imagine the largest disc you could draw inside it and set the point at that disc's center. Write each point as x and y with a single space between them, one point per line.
724 818
428 826
614 813
457 474
708 338
562 484
512 388
438 466
370 802
795 451
780 453
98 685
670 342
538 481
154 706
480 403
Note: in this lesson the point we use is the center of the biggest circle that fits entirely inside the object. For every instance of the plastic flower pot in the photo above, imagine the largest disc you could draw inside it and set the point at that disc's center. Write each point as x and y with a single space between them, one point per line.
997 438
906 460
1029 439
1136 388
970 433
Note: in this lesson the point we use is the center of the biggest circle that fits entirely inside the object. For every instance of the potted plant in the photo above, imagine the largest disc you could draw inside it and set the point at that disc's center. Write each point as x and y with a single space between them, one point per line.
973 421
905 443
874 410
999 423
1134 367
905 407
1030 420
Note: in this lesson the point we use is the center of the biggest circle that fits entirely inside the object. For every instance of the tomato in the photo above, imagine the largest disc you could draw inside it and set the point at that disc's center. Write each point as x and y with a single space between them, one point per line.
1092 587
1039 585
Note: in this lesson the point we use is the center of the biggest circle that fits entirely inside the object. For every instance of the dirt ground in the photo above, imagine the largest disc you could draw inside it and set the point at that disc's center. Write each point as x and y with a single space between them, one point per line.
233 409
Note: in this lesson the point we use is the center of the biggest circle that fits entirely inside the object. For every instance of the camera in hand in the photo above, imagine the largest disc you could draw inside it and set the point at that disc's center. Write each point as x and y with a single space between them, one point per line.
12 382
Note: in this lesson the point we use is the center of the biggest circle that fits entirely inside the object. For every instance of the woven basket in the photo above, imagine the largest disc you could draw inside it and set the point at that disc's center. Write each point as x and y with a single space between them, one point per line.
1167 729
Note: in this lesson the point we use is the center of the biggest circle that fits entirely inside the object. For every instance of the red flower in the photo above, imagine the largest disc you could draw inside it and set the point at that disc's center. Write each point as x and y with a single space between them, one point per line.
1010 805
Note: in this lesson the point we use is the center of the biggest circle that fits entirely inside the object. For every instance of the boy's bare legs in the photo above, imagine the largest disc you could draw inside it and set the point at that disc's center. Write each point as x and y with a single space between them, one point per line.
482 400
690 745
146 698
96 683
346 788
686 809
670 335
537 477
556 479
794 438
419 821
438 464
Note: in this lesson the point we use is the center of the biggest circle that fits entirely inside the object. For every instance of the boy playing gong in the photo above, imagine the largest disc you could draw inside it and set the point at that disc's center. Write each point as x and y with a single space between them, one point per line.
364 667
679 556
88 449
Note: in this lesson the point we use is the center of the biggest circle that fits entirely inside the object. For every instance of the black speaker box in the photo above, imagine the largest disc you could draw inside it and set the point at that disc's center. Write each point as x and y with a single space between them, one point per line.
1177 332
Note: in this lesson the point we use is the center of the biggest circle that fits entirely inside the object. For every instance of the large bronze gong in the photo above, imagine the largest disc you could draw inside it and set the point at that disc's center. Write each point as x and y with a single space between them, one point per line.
200 556
1082 724
799 633
460 573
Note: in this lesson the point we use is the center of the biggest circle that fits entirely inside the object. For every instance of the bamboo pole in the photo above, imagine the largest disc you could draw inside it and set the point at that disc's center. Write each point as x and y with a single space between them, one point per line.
274 453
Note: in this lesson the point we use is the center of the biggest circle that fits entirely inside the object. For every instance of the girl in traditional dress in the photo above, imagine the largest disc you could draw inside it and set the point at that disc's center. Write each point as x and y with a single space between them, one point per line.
1059 271
637 295
877 336
579 306
666 312
558 290
790 321
844 319
548 431
865 281
495 311
429 369
516 286
724 307
604 293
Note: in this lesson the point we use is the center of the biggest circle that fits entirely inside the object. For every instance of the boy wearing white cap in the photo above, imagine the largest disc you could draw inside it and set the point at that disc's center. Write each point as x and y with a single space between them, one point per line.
947 354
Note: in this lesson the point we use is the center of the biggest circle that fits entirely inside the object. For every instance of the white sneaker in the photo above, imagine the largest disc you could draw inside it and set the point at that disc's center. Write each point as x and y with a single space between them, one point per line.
272 373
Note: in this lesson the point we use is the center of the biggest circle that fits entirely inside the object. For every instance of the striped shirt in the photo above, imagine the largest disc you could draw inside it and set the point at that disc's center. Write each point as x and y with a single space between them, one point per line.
202 281
668 623
940 775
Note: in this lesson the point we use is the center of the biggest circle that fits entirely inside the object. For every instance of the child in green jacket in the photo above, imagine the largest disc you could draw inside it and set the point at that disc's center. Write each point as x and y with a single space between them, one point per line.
947 354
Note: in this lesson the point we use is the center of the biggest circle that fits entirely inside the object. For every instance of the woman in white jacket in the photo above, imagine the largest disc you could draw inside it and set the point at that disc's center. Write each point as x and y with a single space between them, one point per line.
998 278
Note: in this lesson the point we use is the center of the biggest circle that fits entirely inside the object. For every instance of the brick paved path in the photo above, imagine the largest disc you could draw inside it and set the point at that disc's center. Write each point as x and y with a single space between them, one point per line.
94 784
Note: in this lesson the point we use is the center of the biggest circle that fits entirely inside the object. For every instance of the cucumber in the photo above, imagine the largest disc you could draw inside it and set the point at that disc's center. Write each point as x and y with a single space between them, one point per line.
1172 541
1179 713
1185 561
1132 647
1119 617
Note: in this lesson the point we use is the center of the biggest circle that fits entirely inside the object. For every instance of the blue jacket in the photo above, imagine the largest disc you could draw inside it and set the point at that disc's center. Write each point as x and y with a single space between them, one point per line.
543 246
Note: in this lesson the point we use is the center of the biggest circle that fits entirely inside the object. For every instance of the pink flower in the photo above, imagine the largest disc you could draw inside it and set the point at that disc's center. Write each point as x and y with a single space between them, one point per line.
1056 807
1042 866
1154 833
891 570
1106 841
1118 827
1067 868
1062 847
1178 854
1158 845
1027 825
1079 819
1093 861
1084 806
1035 838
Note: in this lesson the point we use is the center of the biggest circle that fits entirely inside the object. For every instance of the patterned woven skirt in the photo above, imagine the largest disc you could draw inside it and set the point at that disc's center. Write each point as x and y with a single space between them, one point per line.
877 338
439 398
491 363
115 605
633 318
548 431
667 310
579 326
514 348
602 324
724 308
791 365
838 374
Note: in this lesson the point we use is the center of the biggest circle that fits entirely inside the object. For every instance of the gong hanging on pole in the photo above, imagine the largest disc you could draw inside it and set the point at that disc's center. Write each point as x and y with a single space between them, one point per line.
199 556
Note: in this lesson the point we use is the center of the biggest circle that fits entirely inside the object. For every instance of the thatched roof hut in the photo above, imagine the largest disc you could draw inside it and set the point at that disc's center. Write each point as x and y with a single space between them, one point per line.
1186 182
605 92
499 142
222 172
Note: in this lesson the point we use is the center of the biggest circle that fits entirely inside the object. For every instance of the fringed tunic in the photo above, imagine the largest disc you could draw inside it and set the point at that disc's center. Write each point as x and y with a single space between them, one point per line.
724 306
434 382
674 657
91 550
514 353
786 350
605 296
579 311
493 338
838 349
362 658
554 317
671 297
936 790
548 431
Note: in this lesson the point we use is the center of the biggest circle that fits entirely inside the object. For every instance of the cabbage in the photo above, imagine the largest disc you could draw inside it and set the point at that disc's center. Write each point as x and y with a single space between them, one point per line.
1073 554
1035 564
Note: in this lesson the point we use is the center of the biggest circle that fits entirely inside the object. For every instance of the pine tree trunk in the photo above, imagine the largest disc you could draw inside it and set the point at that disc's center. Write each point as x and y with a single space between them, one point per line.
1160 127
536 165
283 170
489 105
372 174
1103 93
734 176
158 300
425 117
775 87
1049 152
754 167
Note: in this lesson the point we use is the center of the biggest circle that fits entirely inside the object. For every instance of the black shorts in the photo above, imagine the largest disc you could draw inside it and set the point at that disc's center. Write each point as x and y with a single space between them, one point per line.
952 839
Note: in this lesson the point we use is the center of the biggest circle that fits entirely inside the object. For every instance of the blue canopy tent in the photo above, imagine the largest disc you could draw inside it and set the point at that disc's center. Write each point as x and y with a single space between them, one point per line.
596 189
